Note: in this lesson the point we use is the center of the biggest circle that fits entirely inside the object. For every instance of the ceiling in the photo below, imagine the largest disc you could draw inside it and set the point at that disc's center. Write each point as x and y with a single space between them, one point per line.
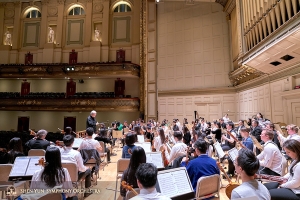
287 45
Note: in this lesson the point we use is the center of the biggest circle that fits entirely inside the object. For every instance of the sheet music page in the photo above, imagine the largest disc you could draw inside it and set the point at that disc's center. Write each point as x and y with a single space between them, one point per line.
233 153
141 138
155 158
219 150
174 183
32 167
77 142
20 166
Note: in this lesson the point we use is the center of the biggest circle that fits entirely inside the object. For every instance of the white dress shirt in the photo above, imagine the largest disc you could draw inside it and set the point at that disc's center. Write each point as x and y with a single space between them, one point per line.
294 136
179 149
89 143
157 143
68 154
293 181
271 157
150 193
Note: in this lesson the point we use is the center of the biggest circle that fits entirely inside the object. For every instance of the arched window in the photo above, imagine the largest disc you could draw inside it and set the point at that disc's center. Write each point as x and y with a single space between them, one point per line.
33 14
77 11
122 8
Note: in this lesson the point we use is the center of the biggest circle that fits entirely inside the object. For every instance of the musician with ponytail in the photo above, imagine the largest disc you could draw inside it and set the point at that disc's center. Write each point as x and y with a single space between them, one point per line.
290 189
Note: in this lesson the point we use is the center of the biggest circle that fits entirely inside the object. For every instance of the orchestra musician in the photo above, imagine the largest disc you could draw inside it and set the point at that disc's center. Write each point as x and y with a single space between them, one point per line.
39 142
238 129
203 165
91 121
15 149
229 144
159 140
256 131
217 131
68 131
177 150
138 157
246 165
146 176
51 175
129 147
291 188
270 158
275 139
246 139
186 135
292 134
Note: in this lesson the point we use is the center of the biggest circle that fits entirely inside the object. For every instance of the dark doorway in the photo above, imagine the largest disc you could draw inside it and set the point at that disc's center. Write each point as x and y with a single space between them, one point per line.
23 124
71 122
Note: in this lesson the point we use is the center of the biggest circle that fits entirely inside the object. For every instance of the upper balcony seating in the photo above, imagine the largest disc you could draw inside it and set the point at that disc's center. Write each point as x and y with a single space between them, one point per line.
57 95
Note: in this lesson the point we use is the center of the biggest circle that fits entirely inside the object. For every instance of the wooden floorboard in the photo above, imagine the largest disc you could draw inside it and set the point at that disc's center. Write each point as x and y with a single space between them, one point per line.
108 180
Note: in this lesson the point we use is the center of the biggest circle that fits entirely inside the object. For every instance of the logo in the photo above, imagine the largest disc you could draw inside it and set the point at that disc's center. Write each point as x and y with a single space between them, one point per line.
11 191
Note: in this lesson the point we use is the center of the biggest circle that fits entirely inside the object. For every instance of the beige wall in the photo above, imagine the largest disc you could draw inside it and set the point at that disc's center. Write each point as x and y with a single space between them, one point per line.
53 120
277 101
58 85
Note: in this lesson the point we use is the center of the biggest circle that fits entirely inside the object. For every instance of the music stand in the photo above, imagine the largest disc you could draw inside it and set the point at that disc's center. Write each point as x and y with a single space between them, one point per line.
118 135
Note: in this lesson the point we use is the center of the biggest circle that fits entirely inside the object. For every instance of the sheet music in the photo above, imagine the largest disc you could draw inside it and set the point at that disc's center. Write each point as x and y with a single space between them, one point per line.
233 154
32 167
155 158
77 142
146 146
141 138
219 150
174 183
20 166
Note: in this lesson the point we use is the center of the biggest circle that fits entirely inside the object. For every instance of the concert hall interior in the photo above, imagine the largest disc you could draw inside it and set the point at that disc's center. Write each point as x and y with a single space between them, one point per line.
158 65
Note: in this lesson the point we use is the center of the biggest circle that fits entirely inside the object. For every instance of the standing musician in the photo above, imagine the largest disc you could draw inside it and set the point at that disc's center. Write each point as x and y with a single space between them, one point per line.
270 158
291 188
246 165
203 165
178 149
91 121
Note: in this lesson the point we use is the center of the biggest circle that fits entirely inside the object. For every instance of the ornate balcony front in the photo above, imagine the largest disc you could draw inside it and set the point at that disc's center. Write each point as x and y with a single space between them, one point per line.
70 104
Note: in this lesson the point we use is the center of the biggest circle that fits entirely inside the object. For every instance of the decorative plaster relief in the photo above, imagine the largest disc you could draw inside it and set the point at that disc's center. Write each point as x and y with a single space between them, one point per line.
9 13
98 7
52 11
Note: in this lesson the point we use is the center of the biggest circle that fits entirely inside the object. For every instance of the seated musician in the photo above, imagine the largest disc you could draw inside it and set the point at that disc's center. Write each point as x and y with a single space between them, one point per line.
256 131
289 186
102 136
129 147
149 134
68 154
293 133
39 142
270 158
68 131
179 149
15 149
229 144
146 176
276 135
52 174
97 144
203 165
159 140
138 157
217 131
238 129
246 165
247 141
186 135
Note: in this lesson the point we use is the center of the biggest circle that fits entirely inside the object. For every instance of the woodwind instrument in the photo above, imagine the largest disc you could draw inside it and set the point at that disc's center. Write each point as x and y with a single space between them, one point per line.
231 185
235 139
128 187
278 179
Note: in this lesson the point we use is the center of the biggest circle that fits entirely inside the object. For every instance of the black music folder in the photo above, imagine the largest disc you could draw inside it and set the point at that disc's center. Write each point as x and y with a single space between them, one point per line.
24 167
175 183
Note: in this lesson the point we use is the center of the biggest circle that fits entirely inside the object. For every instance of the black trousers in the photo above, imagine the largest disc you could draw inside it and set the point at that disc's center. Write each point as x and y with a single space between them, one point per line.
87 176
108 153
265 170
280 193
104 139
231 167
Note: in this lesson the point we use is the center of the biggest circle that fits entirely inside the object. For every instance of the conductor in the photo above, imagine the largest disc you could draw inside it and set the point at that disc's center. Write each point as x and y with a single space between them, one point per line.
91 121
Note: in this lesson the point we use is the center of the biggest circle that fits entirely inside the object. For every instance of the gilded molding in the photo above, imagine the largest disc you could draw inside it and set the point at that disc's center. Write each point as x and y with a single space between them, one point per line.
9 13
81 70
143 49
116 104
61 1
230 5
243 74
224 90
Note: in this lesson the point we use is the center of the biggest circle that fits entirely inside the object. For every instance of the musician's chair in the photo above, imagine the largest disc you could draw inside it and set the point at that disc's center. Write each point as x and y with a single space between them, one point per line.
36 152
208 186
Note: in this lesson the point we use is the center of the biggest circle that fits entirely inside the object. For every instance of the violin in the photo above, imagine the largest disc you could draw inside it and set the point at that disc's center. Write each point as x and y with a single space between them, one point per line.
162 149
128 187
59 143
41 162
32 132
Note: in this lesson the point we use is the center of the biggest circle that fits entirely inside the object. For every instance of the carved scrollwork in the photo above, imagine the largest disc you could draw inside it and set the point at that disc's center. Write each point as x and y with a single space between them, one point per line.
52 11
98 7
243 74
9 13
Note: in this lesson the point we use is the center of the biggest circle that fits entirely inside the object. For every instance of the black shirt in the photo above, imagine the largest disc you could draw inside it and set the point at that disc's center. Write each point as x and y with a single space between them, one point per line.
91 122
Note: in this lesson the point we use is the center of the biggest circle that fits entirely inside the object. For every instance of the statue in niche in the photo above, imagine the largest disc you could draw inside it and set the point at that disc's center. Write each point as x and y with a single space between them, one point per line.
97 35
50 35
7 40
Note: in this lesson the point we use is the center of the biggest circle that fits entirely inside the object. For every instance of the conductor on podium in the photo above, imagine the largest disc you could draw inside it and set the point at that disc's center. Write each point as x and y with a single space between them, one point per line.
91 121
